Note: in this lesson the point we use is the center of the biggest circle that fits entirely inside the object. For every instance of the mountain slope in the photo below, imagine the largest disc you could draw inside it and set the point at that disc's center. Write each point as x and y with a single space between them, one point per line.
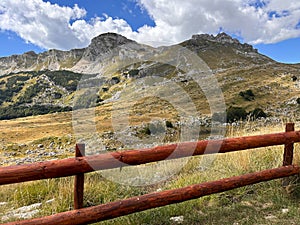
41 83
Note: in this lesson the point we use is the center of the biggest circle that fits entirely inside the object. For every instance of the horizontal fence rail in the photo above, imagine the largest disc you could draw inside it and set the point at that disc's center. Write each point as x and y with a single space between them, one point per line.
79 165
158 199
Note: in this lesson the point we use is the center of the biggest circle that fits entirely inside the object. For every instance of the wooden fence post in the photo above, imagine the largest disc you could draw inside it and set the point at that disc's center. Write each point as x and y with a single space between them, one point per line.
79 179
288 153
288 147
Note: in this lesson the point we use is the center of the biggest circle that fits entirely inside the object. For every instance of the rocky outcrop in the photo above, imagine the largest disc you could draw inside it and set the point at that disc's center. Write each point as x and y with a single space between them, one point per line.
103 44
62 60
224 39
222 51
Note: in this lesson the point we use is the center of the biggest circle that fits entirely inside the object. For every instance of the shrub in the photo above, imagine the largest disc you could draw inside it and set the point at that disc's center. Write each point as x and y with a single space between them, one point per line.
105 89
12 112
65 78
169 124
114 80
30 93
298 100
146 130
57 95
133 73
86 100
152 129
235 114
257 113
98 99
247 95
232 114
238 113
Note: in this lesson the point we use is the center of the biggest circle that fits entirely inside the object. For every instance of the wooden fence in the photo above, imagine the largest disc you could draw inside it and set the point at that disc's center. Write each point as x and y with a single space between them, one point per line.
81 164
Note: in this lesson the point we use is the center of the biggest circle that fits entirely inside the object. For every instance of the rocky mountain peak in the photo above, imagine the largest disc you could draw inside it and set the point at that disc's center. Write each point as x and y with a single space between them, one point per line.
104 43
224 39
224 51
221 37
30 53
111 38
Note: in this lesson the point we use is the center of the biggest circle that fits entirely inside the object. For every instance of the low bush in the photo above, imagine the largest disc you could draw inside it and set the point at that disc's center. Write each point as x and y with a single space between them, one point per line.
169 124
247 95
257 113
238 113
134 72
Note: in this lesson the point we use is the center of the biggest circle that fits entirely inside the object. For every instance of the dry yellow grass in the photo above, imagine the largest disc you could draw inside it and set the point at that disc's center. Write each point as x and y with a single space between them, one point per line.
23 130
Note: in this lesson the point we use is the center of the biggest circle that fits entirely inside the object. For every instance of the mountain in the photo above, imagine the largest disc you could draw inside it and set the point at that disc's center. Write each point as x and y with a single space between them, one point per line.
63 60
219 52
222 51
33 83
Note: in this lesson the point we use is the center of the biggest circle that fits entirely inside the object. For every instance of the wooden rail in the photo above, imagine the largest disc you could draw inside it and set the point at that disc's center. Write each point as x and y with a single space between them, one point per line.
79 165
83 164
158 199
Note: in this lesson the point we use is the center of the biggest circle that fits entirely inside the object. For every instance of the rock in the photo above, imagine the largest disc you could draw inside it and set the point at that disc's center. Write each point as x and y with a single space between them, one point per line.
26 215
25 212
177 219
52 154
28 208
284 211
267 205
40 146
51 145
29 152
270 217
103 44
50 201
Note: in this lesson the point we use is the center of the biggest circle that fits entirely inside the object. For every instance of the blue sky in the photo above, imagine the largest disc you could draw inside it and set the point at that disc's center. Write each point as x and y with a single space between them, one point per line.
272 26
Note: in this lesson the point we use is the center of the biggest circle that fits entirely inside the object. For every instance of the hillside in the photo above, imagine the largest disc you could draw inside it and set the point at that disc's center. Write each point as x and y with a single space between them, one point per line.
136 85
33 84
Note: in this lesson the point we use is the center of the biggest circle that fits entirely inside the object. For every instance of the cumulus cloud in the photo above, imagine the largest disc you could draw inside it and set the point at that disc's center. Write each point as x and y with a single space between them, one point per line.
256 21
52 26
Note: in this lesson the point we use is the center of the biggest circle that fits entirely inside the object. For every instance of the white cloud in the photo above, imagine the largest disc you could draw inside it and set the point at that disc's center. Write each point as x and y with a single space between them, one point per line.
51 26
240 17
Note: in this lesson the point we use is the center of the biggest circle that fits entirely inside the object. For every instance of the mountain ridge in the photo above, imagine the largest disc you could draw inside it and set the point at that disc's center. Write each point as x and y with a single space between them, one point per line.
71 60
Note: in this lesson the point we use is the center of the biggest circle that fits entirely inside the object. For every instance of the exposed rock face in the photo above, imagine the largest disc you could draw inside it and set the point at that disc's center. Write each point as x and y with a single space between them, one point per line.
222 51
30 61
224 38
60 60
104 43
